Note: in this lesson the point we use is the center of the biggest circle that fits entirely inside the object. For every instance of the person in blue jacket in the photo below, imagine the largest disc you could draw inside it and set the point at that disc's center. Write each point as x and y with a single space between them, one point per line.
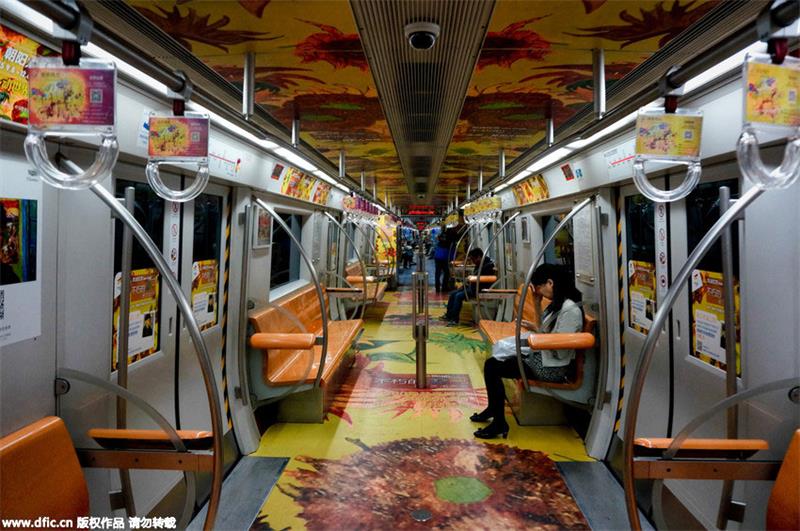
441 257
457 297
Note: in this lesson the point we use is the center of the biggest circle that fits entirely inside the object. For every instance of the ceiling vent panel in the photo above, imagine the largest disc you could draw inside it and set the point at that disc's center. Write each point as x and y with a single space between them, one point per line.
422 91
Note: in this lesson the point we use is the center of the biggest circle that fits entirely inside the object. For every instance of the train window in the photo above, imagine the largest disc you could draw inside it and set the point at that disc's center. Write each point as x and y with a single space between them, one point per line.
145 295
640 241
285 265
707 311
333 247
205 259
561 250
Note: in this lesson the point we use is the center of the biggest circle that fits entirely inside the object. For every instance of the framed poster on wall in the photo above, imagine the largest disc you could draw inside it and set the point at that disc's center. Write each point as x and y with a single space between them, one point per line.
526 235
262 232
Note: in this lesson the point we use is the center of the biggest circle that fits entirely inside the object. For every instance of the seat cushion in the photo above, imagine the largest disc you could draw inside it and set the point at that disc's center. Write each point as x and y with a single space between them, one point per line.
289 367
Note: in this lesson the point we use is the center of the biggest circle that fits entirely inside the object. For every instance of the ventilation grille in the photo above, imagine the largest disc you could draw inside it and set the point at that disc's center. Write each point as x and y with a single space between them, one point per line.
422 91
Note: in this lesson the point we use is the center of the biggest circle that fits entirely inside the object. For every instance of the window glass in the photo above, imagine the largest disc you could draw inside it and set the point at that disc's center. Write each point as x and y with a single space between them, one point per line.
285 265
333 247
561 250
145 294
205 259
706 294
640 245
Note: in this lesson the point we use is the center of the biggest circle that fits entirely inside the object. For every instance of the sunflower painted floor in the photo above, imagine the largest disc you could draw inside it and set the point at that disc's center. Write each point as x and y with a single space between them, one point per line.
391 456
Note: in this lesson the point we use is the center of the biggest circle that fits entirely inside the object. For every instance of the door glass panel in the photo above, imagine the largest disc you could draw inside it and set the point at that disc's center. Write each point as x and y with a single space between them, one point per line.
205 259
285 265
706 293
145 297
640 241
561 250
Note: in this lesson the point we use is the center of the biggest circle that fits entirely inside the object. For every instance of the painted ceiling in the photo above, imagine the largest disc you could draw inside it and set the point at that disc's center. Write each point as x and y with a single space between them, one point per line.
537 55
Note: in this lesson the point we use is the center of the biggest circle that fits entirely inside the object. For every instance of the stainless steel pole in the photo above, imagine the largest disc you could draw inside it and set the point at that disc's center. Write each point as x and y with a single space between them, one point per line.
729 329
122 342
244 384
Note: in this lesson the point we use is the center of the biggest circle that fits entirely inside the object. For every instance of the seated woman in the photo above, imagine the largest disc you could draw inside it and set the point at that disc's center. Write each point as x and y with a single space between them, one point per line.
562 315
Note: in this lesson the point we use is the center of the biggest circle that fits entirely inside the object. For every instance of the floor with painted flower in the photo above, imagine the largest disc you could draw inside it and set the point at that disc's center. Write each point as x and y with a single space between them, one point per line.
390 455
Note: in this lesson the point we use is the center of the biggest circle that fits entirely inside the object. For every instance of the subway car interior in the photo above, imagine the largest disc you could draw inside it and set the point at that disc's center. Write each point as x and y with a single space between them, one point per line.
399 264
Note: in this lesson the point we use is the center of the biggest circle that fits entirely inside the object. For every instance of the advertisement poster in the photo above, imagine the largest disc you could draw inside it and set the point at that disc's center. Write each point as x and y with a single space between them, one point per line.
16 51
386 248
178 137
20 254
291 182
675 136
531 190
71 96
276 172
204 292
641 295
322 193
304 189
708 318
771 94
262 235
143 320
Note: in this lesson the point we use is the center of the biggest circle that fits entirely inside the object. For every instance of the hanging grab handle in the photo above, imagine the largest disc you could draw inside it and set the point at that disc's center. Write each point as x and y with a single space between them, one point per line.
749 155
36 152
693 173
179 196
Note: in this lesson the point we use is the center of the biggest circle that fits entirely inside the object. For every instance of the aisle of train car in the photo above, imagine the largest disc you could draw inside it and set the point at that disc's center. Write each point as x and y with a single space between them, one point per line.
389 454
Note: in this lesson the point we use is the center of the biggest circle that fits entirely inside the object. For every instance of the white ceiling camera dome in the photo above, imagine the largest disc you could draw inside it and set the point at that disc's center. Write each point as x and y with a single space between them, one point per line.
422 35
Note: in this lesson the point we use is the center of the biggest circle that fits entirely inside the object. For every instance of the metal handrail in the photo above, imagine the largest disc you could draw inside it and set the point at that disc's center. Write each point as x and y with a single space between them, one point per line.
317 286
200 348
481 224
646 356
521 305
483 258
358 256
367 238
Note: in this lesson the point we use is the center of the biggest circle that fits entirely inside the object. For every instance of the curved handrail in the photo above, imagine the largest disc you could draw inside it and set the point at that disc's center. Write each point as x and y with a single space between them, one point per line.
483 258
453 251
200 348
367 238
150 411
649 346
178 196
358 256
481 223
323 309
524 294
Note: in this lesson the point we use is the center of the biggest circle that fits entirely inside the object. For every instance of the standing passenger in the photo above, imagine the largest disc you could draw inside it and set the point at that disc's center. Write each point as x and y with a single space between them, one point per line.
441 256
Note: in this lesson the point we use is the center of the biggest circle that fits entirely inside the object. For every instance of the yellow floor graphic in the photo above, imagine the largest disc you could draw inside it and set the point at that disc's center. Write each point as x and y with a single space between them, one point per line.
389 455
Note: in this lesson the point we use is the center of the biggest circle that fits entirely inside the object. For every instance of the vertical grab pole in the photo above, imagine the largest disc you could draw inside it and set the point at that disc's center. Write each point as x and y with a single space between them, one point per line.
122 343
732 420
602 349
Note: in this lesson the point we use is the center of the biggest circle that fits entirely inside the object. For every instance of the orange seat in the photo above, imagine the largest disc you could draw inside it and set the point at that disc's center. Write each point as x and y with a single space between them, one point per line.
40 474
580 341
701 448
290 366
127 439
375 288
783 508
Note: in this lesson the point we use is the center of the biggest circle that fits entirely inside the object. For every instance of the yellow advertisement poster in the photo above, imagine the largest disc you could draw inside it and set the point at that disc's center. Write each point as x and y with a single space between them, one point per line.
771 96
708 319
668 135
386 246
291 182
143 315
16 51
204 292
306 184
641 295
531 190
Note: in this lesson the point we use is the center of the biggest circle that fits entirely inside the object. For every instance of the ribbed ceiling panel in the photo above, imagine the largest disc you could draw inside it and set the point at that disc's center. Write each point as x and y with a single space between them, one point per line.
422 91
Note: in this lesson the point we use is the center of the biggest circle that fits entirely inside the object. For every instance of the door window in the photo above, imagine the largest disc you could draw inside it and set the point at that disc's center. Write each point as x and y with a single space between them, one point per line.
285 265
640 240
205 259
706 295
145 295
561 250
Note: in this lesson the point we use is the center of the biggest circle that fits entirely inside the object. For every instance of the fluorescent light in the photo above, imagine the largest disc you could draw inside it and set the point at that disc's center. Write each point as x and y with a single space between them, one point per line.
608 131
548 159
295 159
731 63
95 51
324 176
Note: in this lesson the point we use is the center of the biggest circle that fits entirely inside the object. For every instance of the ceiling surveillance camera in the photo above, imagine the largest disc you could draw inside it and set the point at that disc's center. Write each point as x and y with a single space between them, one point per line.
420 196
422 35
